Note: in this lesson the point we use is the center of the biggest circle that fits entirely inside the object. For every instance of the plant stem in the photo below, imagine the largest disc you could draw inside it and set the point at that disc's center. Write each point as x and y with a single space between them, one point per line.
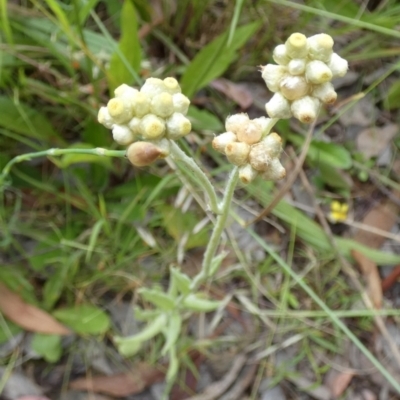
200 177
98 151
217 232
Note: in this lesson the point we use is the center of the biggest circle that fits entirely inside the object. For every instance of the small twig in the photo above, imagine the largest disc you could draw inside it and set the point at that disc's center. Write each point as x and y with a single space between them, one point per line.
289 183
218 388
348 269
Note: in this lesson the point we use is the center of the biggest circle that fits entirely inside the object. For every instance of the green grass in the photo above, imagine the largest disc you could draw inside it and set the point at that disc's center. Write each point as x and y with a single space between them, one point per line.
80 230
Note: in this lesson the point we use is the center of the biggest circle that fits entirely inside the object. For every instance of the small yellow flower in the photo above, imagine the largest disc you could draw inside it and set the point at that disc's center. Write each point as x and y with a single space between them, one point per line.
338 211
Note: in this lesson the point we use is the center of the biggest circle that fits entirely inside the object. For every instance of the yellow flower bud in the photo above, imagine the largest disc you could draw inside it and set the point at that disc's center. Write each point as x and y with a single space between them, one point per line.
140 104
318 72
296 46
141 154
181 103
119 110
320 47
162 105
105 118
237 152
177 126
280 55
152 127
172 85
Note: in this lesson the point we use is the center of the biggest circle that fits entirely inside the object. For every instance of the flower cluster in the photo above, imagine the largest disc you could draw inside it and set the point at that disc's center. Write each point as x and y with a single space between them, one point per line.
301 80
249 144
145 119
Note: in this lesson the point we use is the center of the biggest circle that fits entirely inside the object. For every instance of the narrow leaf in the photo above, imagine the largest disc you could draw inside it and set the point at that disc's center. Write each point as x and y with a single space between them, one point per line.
125 62
180 280
213 60
159 299
172 332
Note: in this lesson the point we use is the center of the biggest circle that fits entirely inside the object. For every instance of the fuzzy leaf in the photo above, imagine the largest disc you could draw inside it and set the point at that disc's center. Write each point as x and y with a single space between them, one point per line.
159 299
195 303
172 332
181 281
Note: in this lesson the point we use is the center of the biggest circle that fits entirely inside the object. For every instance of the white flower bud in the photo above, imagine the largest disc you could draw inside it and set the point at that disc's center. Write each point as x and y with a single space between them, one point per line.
294 87
273 144
152 87
318 72
134 125
325 92
296 46
265 123
320 47
122 134
119 110
125 90
172 85
181 103
141 154
105 118
272 75
219 142
305 109
278 107
275 171
140 105
250 132
152 127
259 158
177 126
162 105
247 174
235 122
297 66
280 55
338 65
237 152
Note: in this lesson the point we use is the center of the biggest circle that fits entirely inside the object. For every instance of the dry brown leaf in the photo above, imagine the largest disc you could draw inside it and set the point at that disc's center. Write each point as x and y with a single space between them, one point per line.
238 93
373 141
370 272
337 382
382 217
28 316
120 385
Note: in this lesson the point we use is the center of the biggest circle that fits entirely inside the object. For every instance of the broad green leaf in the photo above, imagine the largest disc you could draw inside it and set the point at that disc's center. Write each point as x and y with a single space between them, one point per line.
329 153
84 319
213 60
47 346
128 56
334 177
23 119
68 159
180 280
203 120
196 303
172 332
158 298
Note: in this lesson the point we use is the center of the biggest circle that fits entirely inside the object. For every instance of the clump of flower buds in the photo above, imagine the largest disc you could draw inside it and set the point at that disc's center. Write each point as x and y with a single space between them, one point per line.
302 79
249 144
154 112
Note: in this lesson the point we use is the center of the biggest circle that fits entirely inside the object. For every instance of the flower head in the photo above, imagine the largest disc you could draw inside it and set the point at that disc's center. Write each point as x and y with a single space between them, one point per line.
249 144
301 80
156 111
